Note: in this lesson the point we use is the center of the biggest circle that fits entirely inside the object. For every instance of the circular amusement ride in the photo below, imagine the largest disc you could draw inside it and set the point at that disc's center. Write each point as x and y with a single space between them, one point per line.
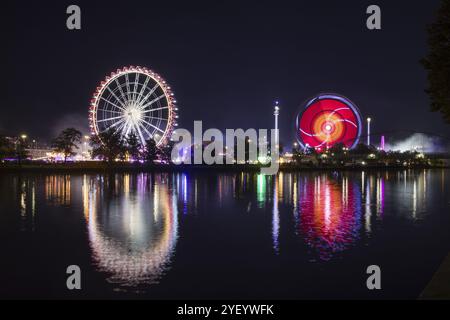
134 100
328 119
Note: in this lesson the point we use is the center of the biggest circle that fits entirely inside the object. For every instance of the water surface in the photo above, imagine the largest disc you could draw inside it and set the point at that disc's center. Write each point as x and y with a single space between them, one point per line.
237 235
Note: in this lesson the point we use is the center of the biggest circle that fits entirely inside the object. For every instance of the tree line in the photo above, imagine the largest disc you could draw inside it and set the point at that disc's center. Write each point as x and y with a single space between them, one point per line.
111 146
13 148
339 154
108 146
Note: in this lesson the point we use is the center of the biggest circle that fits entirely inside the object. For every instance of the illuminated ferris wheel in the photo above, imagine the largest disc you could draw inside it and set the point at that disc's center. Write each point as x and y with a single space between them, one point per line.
134 100
328 119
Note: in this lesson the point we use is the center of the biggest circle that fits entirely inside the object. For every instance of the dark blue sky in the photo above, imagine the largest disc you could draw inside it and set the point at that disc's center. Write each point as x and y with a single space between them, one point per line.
227 61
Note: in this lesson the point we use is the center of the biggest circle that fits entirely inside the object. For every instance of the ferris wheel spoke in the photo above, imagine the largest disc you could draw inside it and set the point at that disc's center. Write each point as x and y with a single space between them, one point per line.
152 102
127 83
128 129
112 111
124 128
108 119
122 94
158 118
139 97
115 124
117 99
148 94
153 126
112 103
136 81
155 109
140 134
120 128
146 130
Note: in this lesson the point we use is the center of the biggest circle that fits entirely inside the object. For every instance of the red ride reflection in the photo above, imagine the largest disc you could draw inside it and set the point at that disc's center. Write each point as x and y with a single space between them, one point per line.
329 214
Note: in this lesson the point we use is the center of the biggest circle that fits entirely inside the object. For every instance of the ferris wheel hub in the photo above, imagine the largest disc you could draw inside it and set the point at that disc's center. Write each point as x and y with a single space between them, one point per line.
134 114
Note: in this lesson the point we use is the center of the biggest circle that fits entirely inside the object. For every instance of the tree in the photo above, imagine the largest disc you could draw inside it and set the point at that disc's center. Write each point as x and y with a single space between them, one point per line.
362 149
311 151
297 155
6 148
337 148
151 151
280 148
133 146
166 151
108 145
437 62
20 150
66 141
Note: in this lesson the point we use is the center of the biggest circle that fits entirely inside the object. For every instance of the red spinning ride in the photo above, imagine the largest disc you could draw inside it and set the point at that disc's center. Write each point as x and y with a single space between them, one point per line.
328 119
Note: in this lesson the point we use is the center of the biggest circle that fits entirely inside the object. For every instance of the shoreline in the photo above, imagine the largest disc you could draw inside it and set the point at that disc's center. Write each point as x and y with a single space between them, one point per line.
89 167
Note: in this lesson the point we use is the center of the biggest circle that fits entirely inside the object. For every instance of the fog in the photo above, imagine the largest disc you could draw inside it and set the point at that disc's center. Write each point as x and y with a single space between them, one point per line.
420 142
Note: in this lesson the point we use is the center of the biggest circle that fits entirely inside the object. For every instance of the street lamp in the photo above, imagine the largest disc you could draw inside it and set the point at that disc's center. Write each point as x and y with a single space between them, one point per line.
368 131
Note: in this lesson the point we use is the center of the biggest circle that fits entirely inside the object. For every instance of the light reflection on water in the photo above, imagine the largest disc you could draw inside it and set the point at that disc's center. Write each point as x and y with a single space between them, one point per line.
330 214
132 225
132 220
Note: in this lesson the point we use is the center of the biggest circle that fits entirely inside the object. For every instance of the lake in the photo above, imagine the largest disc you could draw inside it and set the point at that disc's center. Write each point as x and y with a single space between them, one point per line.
302 235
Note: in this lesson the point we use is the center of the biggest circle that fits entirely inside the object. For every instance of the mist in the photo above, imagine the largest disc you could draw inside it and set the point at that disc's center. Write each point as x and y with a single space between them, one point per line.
420 142
77 121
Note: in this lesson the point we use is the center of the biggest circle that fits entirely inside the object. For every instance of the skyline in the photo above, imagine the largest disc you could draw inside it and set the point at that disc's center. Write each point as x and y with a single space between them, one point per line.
249 56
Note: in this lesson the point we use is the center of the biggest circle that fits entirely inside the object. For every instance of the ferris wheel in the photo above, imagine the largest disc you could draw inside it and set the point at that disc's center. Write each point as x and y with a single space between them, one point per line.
134 100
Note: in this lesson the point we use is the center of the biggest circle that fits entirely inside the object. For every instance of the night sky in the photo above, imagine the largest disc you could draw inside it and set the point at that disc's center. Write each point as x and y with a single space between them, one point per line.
227 61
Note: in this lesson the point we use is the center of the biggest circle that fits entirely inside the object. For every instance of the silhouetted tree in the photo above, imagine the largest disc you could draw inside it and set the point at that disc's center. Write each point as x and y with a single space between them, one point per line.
280 148
297 155
108 146
362 149
437 62
166 151
151 151
20 149
6 148
134 146
66 141
338 149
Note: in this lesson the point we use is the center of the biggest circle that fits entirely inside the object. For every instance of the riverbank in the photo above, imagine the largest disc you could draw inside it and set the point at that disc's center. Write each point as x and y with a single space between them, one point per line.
97 166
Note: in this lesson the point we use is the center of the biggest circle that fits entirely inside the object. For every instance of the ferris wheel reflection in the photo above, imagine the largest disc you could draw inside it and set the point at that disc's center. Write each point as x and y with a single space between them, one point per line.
132 226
